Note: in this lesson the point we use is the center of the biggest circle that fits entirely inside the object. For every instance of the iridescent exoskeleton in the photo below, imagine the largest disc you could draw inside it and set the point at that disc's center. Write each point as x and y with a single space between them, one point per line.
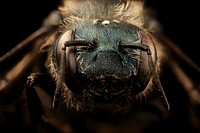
99 62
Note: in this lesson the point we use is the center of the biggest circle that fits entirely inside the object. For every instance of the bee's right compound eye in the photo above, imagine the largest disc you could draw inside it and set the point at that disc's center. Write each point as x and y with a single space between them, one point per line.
58 46
63 58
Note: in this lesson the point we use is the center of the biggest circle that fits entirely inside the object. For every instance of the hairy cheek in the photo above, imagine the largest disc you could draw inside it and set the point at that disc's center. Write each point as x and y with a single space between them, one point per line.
82 61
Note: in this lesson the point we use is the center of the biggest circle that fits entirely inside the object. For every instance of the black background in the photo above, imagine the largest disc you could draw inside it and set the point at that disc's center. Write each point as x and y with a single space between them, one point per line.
179 19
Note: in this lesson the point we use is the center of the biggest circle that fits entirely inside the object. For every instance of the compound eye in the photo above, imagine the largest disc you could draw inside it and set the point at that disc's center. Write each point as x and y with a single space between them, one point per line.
58 46
64 60
148 58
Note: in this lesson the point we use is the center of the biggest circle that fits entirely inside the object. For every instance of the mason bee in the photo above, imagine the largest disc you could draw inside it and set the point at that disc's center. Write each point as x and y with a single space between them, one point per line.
99 66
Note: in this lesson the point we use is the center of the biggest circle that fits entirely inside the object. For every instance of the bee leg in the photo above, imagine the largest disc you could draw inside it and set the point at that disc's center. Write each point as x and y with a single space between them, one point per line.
38 95
192 89
39 98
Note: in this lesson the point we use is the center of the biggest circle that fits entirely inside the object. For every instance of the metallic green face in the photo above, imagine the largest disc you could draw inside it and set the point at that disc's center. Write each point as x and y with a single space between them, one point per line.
108 33
104 61
105 51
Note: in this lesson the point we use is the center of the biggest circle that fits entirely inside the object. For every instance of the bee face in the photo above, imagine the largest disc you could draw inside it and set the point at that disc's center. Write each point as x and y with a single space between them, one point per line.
105 50
105 60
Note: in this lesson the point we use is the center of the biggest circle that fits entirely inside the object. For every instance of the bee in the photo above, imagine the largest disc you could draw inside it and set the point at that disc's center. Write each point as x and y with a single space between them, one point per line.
98 66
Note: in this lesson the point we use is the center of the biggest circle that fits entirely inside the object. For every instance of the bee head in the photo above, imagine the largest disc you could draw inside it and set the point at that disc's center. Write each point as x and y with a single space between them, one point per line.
104 62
